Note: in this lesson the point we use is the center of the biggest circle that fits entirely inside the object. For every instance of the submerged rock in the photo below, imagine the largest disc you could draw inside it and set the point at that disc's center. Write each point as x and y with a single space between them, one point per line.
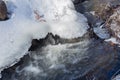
3 10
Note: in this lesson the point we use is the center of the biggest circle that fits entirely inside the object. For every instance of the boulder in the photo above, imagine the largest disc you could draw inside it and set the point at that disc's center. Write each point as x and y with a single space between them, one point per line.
113 23
3 10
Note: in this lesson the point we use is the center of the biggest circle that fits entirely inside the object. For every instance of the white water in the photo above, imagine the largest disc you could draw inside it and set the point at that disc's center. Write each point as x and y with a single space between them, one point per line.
53 61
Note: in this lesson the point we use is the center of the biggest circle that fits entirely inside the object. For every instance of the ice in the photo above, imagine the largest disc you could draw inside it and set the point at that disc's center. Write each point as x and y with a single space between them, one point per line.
101 32
117 77
17 33
112 39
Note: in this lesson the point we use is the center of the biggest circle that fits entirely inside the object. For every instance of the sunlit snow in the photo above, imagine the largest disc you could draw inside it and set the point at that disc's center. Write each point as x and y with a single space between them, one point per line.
56 16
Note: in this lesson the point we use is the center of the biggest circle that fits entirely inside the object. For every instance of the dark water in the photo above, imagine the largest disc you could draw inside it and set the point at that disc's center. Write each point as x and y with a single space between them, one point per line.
85 60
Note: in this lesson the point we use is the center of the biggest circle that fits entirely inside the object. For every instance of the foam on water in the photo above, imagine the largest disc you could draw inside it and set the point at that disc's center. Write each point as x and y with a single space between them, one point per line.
54 60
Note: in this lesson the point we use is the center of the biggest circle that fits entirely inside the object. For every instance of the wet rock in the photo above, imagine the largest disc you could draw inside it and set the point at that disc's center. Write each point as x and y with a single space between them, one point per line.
99 8
51 39
35 43
3 10
78 1
100 14
91 19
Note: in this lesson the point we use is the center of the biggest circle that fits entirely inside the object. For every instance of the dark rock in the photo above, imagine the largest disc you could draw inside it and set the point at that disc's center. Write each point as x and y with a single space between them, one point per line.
49 39
91 19
78 1
35 43
3 10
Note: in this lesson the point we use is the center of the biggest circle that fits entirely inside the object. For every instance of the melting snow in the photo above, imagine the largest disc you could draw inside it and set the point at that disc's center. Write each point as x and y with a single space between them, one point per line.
57 16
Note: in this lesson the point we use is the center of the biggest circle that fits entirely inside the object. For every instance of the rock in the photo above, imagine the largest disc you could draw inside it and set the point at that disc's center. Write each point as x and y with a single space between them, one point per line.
113 23
3 10
99 12
51 39
101 8
78 1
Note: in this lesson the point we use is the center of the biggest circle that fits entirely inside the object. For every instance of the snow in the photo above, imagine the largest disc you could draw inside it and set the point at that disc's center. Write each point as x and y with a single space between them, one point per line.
16 35
113 39
58 17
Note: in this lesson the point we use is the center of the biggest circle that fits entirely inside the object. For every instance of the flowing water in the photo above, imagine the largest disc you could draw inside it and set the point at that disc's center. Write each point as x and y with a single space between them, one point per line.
89 59
84 60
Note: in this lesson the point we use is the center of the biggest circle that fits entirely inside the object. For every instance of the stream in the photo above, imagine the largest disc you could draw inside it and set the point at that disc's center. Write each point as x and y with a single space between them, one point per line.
87 59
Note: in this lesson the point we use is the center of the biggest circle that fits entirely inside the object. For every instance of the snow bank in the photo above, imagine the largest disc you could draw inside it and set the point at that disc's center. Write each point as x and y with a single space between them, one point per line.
17 33
56 16
61 17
